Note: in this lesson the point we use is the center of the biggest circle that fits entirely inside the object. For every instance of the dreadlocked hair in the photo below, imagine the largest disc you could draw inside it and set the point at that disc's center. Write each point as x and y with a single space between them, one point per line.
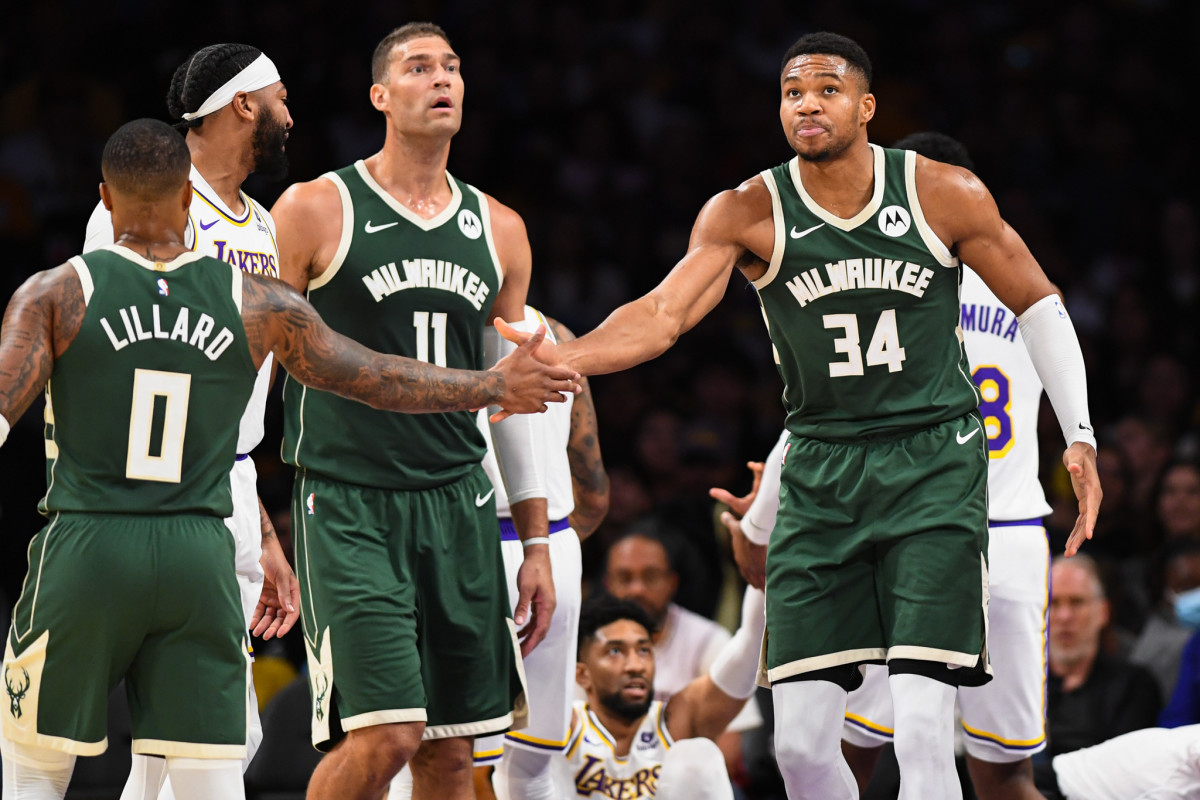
201 74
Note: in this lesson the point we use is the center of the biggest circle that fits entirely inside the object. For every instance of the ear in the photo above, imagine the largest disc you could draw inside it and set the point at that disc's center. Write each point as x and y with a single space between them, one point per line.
379 97
867 107
582 676
187 195
243 107
106 197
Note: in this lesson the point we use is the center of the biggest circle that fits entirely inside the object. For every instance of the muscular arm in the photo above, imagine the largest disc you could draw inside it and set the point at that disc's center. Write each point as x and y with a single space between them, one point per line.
278 319
40 322
589 481
308 224
734 229
701 709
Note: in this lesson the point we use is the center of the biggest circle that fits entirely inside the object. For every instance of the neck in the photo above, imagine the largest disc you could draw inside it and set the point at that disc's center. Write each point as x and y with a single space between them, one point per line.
224 166
622 729
413 171
1073 671
155 242
843 185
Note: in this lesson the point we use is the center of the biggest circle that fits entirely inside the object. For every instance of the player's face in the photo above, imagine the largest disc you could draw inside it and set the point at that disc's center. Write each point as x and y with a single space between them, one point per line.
1078 612
617 669
269 141
638 570
423 93
823 107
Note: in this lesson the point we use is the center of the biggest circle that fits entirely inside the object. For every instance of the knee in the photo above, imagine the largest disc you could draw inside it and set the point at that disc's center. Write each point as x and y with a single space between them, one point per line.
389 746
444 757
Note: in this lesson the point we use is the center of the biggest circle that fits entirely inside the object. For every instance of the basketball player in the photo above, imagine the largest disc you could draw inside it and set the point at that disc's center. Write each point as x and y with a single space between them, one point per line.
232 106
626 744
854 252
171 340
1004 721
403 597
576 489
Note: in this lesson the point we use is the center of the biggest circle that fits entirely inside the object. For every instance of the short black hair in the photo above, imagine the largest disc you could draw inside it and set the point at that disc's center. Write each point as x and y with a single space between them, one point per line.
147 159
832 44
604 609
651 530
939 147
382 58
201 74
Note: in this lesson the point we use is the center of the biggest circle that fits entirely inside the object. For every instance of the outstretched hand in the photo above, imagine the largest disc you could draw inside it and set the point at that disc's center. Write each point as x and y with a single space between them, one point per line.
529 383
1080 461
751 558
546 352
740 505
279 604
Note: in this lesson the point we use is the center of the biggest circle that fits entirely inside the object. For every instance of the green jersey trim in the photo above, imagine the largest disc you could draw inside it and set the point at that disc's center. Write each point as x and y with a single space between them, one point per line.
347 235
436 221
937 248
862 216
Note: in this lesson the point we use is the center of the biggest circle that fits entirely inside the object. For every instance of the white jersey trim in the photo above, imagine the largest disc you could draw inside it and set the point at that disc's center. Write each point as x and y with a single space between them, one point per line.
780 241
485 215
85 277
154 266
437 220
347 235
936 246
840 223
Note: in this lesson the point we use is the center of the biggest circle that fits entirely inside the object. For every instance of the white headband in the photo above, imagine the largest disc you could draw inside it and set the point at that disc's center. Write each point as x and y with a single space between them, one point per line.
261 72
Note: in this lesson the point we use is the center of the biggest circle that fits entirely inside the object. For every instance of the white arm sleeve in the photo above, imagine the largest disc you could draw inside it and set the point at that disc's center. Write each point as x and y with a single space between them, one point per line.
515 438
760 518
4 429
99 229
735 670
1054 349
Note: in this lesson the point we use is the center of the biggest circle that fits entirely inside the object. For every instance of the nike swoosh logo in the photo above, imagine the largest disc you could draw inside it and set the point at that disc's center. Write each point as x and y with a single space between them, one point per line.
204 227
964 439
369 228
479 501
801 234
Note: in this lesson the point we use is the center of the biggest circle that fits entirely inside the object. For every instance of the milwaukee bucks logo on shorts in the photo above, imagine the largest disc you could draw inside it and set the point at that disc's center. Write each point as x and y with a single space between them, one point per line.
321 692
16 693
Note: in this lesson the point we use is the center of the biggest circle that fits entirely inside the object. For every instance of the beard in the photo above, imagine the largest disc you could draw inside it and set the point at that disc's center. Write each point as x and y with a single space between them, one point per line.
831 151
267 143
623 708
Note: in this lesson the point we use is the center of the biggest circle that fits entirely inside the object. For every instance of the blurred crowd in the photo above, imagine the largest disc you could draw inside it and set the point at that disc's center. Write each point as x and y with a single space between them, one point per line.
607 126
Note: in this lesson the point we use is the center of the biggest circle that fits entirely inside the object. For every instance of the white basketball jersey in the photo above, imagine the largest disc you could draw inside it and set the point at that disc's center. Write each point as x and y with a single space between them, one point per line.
595 769
247 241
551 431
1011 394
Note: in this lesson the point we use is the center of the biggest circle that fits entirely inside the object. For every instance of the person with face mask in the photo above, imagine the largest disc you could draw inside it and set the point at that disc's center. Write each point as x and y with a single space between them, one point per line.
1175 616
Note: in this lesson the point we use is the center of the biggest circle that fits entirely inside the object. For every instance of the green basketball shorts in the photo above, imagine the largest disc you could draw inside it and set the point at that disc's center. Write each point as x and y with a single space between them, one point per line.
879 553
153 599
405 608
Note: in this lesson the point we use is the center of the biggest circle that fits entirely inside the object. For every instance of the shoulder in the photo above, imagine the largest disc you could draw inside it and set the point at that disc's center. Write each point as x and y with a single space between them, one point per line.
506 222
745 204
954 200
309 200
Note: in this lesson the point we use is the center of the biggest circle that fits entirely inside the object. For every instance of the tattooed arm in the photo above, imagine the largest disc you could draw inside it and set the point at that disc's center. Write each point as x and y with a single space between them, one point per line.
278 319
589 481
41 321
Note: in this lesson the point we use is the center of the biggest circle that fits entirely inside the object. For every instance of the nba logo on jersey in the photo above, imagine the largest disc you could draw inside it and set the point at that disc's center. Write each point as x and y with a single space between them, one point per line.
311 503
162 287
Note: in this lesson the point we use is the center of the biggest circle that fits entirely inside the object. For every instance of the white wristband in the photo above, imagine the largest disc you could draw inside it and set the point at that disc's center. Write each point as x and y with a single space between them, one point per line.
535 540
4 429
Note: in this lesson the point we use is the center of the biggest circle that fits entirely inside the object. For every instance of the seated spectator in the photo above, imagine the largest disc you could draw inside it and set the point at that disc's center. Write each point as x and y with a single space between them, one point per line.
685 643
1091 696
1175 616
1177 501
1184 706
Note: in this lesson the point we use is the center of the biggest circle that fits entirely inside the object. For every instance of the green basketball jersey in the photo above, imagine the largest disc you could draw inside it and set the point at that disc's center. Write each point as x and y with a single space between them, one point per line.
863 312
409 286
142 409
